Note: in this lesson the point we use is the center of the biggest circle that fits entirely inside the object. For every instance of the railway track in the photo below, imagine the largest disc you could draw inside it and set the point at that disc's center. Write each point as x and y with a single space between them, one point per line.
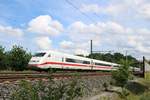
14 76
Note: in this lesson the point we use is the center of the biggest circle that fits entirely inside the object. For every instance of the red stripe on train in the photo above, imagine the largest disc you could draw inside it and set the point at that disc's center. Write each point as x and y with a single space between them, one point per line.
67 64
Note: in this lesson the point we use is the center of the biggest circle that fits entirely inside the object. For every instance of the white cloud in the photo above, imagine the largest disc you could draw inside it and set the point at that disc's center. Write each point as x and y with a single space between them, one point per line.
125 8
43 43
139 41
66 44
144 10
109 35
79 31
143 31
91 8
9 30
44 24
85 28
109 9
114 27
81 51
74 47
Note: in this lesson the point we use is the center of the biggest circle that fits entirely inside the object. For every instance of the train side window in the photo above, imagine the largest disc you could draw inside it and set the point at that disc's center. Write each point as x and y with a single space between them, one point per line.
102 64
86 62
70 60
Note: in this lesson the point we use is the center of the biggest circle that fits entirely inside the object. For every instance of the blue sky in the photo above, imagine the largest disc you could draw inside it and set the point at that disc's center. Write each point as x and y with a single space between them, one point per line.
69 25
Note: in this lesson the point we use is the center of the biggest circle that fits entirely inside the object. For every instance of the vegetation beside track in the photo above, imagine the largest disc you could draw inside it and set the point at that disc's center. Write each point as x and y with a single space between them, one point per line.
15 59
128 87
51 91
138 89
68 88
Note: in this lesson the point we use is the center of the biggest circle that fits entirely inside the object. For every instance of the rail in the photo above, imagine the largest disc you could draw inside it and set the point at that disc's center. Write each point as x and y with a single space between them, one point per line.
37 75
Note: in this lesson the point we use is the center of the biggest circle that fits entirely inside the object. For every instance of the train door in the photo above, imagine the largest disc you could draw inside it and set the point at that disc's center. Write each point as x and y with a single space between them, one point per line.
48 60
92 64
62 62
58 61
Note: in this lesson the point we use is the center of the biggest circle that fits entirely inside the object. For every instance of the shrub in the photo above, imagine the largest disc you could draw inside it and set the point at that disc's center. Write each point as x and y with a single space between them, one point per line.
18 58
122 75
145 96
51 90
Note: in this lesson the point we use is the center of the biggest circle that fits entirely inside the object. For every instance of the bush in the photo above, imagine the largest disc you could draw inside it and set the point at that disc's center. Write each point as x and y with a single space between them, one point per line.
145 96
124 94
122 75
18 58
51 90
106 85
2 58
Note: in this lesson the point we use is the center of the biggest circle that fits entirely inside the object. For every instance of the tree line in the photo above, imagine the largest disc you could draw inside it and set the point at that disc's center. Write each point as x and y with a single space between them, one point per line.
17 58
115 58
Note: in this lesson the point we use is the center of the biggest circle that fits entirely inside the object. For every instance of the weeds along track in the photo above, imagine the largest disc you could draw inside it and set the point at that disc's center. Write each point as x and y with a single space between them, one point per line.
14 76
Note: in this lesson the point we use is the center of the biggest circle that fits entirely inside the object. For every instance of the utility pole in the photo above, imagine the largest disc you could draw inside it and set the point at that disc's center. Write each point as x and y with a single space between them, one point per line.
91 54
91 49
143 69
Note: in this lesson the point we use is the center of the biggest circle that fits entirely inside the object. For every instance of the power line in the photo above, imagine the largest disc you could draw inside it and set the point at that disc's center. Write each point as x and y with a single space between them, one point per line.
95 13
79 10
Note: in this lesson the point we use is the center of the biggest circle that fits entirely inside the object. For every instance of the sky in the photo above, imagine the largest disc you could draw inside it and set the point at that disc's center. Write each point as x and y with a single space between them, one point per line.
69 25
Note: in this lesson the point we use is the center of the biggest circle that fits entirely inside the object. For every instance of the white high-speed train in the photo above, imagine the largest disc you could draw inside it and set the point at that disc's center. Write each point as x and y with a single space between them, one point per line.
57 60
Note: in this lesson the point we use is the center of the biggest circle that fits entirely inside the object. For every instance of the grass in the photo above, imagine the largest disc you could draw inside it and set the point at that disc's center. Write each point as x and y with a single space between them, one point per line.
147 76
134 90
139 90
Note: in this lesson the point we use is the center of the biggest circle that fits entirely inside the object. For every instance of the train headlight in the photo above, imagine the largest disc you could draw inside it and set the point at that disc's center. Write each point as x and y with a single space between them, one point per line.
37 61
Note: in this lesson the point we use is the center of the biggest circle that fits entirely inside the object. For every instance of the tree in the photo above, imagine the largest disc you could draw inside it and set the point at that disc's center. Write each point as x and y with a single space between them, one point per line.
18 58
123 74
116 57
108 57
2 58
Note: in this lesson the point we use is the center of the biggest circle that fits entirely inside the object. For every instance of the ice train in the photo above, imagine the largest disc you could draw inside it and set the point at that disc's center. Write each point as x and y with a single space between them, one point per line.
57 60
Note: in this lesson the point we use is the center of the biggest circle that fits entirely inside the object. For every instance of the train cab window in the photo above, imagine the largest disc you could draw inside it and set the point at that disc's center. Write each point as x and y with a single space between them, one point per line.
39 54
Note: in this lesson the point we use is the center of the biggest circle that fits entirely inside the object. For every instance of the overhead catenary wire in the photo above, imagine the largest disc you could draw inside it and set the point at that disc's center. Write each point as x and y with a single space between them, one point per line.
75 7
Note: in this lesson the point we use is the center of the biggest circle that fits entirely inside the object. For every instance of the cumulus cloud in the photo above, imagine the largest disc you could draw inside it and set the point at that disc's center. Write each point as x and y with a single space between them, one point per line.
9 30
91 8
81 52
128 8
96 32
74 47
100 33
66 44
43 42
144 10
110 9
109 35
45 25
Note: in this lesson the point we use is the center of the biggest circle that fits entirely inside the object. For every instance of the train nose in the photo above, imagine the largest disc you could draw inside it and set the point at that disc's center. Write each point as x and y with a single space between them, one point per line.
35 60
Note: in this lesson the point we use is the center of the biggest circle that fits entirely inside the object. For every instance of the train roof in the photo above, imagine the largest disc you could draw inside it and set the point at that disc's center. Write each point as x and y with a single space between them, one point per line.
78 57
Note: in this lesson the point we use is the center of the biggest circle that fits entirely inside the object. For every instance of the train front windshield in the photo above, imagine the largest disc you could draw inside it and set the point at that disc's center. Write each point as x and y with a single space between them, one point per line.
39 54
